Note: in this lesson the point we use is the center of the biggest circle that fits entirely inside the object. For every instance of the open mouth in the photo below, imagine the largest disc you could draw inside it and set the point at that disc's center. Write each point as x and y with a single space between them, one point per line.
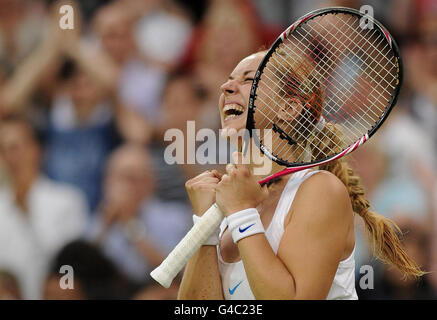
232 110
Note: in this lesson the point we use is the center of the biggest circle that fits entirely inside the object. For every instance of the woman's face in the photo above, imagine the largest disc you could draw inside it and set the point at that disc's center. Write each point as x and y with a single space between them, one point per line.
235 92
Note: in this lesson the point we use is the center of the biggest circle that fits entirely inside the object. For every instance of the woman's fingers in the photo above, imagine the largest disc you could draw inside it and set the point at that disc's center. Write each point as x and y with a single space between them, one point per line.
216 174
207 175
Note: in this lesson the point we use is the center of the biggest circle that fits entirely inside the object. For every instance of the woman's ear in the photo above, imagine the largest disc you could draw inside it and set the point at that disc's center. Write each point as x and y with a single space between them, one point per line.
290 109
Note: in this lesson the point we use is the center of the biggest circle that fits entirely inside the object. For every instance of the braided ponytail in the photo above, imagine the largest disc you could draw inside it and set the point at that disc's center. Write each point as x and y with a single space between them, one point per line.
382 233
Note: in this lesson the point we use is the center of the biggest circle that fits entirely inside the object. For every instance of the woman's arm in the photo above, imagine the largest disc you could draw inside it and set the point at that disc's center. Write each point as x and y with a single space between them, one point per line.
313 242
201 279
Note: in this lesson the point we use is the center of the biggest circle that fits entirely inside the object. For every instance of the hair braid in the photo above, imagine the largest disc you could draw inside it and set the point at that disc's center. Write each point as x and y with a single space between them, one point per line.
382 233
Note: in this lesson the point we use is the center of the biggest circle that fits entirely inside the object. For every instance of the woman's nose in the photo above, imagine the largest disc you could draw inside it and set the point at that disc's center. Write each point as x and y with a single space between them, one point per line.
229 86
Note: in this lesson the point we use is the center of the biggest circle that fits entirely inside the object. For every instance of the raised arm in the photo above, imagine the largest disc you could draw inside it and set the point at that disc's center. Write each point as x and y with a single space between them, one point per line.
201 279
89 57
27 76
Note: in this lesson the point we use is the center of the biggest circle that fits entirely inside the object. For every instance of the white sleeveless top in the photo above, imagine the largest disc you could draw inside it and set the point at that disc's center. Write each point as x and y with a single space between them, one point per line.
234 280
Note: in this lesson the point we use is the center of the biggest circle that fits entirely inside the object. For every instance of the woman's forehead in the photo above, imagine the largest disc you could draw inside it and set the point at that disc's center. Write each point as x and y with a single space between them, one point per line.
249 63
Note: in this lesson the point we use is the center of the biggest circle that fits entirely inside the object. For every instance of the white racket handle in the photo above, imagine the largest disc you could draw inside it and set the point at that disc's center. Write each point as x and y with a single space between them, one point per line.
193 240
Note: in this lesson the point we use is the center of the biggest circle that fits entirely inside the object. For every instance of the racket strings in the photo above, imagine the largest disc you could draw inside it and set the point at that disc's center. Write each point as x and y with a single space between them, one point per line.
297 147
294 93
339 115
307 131
337 71
342 85
269 117
372 45
381 40
272 112
377 98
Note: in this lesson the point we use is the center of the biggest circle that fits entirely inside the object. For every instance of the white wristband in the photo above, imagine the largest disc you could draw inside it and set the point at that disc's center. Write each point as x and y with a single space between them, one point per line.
214 239
244 223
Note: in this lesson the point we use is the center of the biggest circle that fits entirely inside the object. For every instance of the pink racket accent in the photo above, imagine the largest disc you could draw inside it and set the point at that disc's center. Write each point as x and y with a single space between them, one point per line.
294 25
300 168
387 36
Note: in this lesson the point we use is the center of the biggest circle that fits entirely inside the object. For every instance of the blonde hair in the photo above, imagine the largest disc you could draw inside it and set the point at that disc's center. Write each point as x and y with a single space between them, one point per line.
382 233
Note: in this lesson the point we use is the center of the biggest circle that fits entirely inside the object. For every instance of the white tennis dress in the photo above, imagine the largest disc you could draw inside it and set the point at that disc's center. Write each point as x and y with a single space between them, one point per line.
234 280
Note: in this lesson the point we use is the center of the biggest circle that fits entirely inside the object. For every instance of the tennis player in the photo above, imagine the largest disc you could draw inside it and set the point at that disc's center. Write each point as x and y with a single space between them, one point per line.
291 239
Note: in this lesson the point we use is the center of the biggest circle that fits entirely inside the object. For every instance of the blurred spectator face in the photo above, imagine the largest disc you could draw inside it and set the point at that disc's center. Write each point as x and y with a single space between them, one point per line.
180 103
85 93
53 290
230 36
129 180
18 147
116 33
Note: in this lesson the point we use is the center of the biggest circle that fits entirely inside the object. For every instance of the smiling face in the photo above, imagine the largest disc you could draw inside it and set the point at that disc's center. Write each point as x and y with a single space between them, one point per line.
234 98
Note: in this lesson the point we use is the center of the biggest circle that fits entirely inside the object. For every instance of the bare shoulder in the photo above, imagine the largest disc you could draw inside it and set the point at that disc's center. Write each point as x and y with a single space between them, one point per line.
323 195
326 182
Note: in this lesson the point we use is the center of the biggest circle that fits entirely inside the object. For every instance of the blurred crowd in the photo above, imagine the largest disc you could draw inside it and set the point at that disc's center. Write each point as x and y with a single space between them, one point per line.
83 113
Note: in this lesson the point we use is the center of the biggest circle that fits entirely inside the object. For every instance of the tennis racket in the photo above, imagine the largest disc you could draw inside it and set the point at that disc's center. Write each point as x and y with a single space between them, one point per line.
324 88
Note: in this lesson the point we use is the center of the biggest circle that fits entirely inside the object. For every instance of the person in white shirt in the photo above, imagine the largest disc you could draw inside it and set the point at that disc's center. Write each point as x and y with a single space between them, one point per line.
37 215
133 227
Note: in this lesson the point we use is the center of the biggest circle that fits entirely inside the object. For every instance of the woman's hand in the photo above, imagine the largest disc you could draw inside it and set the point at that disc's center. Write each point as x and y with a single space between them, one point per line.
201 191
238 188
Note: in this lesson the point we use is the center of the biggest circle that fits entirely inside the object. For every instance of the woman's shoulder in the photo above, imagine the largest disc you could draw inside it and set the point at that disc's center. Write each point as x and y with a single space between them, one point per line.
323 193
325 182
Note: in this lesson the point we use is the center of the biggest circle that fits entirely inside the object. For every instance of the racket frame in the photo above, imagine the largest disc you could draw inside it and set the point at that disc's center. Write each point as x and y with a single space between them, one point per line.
250 125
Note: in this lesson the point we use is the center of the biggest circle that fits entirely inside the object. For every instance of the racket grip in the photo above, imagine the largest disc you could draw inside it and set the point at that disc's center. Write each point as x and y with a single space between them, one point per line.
193 240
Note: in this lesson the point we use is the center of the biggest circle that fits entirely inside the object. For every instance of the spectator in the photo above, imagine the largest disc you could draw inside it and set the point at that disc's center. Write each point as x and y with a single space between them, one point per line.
80 135
421 67
85 115
230 30
38 215
139 83
134 229
162 34
95 277
21 26
183 101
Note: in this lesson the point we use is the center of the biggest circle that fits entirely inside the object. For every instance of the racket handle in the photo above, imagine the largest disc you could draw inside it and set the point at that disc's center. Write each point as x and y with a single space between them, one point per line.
193 240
